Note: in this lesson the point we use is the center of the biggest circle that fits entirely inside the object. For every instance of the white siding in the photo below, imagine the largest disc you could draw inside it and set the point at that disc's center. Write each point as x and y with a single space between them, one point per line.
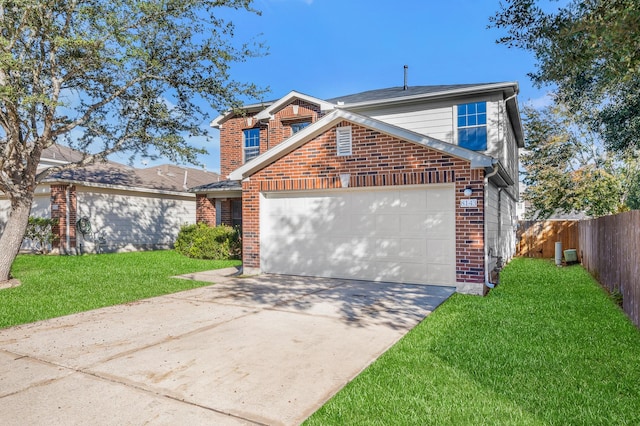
432 120
500 225
41 207
133 221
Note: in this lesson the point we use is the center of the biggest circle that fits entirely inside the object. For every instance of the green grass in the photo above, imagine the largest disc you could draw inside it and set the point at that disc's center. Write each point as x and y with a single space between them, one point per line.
53 286
546 347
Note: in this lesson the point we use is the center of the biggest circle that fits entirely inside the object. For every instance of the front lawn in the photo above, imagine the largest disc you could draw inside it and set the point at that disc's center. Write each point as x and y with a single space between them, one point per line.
546 347
53 286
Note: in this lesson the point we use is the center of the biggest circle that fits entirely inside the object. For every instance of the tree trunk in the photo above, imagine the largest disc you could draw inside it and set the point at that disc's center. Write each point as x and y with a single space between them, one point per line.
11 238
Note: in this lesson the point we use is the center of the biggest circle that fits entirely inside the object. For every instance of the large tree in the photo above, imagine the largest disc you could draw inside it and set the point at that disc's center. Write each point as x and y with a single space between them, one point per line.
589 50
106 76
565 170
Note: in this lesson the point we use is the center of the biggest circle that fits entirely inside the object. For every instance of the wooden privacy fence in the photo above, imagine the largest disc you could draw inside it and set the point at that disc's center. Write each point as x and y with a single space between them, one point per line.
610 250
608 247
538 238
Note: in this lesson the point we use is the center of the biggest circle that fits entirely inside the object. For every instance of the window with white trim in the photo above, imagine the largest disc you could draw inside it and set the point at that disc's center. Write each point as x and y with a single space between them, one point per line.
296 127
251 144
343 140
472 126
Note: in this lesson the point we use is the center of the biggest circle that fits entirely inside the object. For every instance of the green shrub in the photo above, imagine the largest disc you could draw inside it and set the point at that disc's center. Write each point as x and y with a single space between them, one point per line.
40 232
202 241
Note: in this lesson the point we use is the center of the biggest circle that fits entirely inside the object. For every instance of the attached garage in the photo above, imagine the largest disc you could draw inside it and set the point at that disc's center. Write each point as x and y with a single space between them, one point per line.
399 234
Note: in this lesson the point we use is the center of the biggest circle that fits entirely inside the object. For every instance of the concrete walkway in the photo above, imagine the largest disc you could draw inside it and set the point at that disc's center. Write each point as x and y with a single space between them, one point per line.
261 350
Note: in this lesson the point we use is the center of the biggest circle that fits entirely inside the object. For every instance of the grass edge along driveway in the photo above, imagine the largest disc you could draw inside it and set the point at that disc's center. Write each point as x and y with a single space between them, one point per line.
547 346
54 286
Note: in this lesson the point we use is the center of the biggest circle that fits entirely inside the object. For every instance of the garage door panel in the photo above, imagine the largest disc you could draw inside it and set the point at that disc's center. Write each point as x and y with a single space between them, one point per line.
440 224
382 234
387 225
362 224
440 251
413 201
441 200
441 274
401 249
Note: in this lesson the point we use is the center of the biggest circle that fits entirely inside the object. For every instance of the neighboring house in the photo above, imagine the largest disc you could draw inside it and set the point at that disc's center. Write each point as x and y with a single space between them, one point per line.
405 184
128 208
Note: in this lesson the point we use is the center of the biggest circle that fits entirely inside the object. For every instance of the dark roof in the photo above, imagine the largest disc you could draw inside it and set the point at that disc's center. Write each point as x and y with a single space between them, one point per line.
165 177
399 92
61 153
223 185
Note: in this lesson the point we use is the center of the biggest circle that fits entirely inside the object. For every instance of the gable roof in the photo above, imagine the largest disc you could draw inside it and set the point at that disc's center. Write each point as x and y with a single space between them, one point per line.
251 108
399 92
477 159
287 99
393 95
162 178
59 154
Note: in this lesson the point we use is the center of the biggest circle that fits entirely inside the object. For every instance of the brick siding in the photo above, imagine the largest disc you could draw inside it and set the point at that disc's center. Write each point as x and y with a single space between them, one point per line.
377 160
278 129
59 211
205 210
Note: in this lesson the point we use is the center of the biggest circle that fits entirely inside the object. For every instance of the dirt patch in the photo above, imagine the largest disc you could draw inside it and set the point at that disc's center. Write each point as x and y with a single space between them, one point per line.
9 284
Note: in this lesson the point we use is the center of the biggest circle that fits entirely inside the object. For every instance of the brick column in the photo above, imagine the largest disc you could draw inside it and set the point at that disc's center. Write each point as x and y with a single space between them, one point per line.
205 210
59 211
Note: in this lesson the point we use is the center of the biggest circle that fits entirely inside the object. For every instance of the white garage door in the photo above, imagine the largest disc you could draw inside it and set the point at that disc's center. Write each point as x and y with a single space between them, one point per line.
404 234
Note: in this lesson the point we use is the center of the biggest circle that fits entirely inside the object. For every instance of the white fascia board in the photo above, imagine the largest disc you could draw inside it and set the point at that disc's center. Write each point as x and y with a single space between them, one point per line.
473 90
477 159
287 99
217 122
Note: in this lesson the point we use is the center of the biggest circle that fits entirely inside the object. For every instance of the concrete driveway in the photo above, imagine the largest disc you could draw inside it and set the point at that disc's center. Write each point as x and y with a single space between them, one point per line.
262 350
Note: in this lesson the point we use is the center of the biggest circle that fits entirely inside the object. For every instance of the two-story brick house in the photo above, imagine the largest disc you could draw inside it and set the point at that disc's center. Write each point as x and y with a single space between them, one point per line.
405 184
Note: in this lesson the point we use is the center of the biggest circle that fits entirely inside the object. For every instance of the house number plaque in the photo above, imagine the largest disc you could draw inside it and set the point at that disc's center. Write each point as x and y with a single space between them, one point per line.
468 202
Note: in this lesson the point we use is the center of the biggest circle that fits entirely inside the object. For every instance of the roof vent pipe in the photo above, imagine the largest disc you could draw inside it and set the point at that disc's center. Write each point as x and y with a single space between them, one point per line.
406 68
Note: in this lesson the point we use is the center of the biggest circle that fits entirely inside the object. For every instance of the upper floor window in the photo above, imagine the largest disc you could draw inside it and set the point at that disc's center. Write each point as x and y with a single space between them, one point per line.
472 126
296 127
251 144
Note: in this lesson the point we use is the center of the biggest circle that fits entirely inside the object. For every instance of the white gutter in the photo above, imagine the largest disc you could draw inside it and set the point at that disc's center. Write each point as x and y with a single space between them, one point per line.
68 214
487 255
472 90
118 187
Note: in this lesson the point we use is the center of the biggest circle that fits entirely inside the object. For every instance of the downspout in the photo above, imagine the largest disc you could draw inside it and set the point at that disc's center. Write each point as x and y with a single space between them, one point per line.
487 256
67 217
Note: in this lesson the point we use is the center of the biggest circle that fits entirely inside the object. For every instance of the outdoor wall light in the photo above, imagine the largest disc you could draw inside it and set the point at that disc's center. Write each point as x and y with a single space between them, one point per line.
344 179
468 192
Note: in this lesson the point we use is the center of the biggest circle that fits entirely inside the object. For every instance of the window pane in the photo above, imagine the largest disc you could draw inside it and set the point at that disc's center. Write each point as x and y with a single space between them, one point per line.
462 109
474 138
296 127
471 120
462 121
471 108
482 118
251 144
482 107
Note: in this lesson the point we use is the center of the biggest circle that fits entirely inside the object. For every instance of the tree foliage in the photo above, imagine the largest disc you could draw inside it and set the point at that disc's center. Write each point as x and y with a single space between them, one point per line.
108 76
588 49
565 171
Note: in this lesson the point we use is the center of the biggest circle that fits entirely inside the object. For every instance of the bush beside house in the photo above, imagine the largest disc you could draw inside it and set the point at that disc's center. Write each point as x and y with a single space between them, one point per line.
202 241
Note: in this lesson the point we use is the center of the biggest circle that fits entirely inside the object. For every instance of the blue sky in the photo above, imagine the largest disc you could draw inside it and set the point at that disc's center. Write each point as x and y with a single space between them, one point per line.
327 48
